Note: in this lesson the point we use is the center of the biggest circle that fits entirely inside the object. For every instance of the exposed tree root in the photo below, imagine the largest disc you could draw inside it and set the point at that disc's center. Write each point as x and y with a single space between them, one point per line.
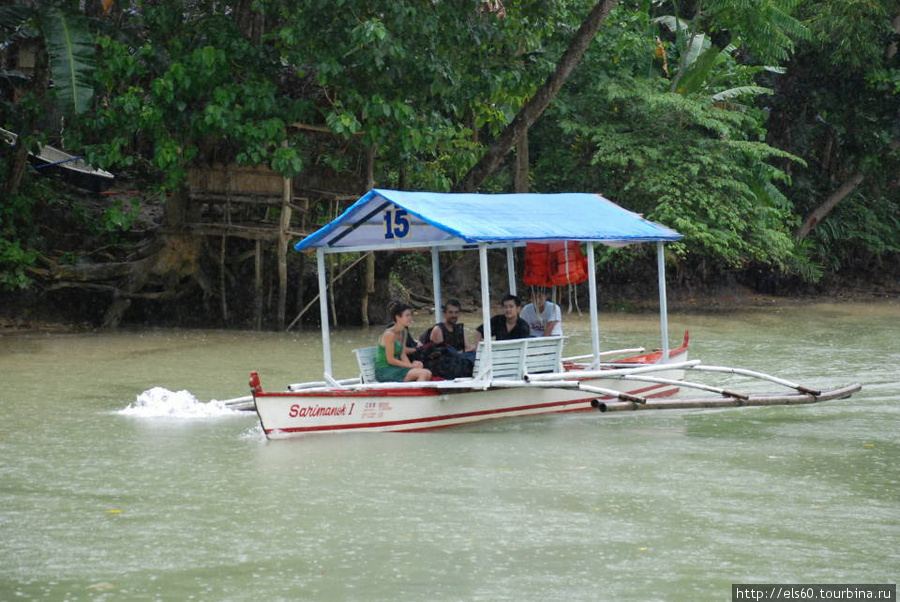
160 268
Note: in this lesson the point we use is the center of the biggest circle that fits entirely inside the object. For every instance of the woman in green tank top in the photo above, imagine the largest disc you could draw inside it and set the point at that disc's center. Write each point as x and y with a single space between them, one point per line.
391 362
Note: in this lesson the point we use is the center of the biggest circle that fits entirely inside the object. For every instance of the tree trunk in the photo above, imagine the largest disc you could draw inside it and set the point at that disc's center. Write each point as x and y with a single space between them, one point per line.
520 182
849 185
819 213
538 103
369 280
842 192
17 168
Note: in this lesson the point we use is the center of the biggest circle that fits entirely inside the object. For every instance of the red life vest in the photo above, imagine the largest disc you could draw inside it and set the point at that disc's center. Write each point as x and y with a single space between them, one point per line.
555 263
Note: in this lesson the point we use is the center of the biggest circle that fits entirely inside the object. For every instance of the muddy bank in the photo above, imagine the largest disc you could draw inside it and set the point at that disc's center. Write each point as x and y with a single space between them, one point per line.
27 312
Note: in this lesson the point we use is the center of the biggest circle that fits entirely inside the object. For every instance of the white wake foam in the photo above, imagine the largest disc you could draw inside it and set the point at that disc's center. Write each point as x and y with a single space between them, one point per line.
161 402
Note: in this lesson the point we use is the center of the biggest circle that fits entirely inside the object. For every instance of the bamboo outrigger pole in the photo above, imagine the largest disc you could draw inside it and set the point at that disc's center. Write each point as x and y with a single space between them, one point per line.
485 367
511 269
436 285
323 309
663 308
592 295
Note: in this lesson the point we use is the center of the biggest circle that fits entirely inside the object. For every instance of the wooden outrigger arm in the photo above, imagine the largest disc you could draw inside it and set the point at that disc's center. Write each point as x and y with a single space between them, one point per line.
759 375
725 402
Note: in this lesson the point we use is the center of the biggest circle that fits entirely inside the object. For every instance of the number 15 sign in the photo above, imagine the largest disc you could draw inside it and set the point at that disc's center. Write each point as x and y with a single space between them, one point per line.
396 224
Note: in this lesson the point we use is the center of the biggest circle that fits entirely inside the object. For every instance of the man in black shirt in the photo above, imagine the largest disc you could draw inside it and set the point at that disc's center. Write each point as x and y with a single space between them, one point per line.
451 331
508 325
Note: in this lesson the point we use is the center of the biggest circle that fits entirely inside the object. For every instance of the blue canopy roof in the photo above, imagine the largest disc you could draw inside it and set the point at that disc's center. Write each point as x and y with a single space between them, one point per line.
393 219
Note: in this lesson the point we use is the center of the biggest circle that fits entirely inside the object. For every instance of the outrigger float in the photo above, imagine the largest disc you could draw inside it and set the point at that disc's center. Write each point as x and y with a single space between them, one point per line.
511 378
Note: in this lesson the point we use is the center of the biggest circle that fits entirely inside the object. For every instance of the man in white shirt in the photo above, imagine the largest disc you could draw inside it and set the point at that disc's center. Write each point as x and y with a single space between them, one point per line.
543 316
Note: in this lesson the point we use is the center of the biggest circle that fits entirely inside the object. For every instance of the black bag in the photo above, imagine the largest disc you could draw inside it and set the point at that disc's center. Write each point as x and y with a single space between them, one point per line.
443 361
453 365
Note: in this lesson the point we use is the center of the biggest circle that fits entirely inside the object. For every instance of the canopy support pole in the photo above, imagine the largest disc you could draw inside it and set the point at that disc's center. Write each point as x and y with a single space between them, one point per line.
663 309
436 284
323 311
485 364
592 290
511 269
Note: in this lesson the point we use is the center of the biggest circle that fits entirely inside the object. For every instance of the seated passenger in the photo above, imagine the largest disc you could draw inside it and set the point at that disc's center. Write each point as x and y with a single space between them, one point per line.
508 325
411 346
391 362
451 332
543 316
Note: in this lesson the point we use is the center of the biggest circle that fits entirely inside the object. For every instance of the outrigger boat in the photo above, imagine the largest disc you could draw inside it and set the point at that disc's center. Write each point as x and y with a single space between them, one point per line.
511 378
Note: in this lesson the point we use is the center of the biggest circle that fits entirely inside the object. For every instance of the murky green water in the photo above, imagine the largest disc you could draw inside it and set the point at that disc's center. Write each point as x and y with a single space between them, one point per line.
97 504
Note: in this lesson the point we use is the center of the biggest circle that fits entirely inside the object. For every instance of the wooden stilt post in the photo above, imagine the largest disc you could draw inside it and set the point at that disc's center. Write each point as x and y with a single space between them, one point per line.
283 239
222 280
257 286
369 288
301 287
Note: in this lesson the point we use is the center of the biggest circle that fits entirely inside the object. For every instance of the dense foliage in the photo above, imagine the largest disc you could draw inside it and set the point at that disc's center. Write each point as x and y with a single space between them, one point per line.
732 122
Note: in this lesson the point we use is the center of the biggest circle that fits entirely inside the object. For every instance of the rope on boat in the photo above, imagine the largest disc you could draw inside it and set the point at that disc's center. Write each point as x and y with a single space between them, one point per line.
689 385
759 375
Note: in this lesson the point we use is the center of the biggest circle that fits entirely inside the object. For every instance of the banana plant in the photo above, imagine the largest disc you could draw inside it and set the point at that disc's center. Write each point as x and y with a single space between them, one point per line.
68 69
69 47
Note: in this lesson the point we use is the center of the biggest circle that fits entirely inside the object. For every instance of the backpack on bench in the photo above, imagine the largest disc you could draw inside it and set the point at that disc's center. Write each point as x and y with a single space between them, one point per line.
443 361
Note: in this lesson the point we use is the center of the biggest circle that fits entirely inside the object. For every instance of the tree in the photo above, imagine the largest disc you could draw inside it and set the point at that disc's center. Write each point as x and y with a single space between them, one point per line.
64 58
871 68
539 102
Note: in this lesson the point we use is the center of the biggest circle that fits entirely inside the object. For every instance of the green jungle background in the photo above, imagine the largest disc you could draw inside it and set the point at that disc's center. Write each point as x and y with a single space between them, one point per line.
765 131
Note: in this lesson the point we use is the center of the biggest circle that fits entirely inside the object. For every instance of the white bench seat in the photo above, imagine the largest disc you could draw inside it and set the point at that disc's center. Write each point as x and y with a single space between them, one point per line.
365 357
513 359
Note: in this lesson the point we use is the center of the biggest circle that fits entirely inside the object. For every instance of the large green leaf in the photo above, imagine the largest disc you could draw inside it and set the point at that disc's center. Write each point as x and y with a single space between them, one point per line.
71 51
697 70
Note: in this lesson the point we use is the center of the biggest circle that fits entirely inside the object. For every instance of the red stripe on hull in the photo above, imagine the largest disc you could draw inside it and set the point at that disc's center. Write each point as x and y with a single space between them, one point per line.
354 393
495 413
429 418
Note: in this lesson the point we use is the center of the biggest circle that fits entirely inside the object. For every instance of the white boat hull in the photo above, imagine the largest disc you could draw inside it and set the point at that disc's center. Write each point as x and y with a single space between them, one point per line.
292 413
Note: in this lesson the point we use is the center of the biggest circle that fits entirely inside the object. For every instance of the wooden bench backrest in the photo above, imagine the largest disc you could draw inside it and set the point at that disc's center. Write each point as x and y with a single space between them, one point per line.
511 360
365 357
518 357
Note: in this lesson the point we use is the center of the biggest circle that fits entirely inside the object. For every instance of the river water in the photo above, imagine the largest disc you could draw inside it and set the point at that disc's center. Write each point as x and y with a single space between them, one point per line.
120 481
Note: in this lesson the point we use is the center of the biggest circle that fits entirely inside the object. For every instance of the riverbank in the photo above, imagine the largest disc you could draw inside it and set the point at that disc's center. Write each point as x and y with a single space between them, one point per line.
42 318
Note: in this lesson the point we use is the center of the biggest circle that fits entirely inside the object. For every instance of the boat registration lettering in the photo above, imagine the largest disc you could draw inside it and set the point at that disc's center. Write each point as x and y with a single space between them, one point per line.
376 409
312 411
396 224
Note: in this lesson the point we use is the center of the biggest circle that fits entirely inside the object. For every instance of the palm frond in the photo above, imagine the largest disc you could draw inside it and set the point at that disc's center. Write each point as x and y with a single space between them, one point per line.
741 91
